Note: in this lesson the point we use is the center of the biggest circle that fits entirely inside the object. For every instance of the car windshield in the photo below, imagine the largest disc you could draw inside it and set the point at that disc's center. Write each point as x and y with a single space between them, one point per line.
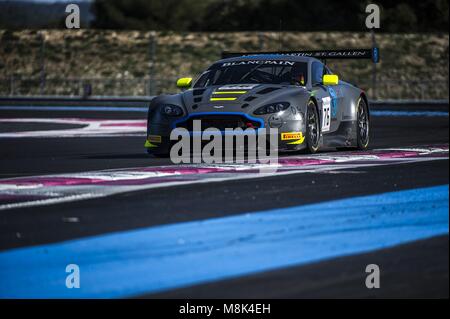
254 72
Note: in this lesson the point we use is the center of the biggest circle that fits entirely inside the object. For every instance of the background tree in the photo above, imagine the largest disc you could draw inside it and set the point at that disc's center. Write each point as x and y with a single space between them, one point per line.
239 15
177 15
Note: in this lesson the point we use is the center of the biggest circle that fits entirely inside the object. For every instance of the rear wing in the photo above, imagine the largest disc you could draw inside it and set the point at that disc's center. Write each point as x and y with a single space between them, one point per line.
372 54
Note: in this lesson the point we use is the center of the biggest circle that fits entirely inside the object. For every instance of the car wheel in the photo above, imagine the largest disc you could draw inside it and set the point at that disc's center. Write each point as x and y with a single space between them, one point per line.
312 128
363 125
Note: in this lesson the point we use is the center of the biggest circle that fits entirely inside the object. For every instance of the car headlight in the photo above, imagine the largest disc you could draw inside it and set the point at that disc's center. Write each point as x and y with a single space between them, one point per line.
171 110
272 108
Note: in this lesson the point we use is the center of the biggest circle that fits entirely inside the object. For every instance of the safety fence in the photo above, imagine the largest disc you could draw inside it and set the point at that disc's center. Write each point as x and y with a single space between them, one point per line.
20 86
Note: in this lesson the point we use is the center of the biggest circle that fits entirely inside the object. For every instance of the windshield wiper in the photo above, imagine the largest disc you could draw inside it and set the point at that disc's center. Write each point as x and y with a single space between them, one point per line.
250 72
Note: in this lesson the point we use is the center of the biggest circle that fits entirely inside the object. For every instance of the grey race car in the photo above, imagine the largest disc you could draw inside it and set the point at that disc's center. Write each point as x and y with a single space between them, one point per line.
294 92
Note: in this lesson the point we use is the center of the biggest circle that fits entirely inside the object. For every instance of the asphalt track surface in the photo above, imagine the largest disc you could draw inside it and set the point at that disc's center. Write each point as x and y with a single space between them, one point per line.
417 267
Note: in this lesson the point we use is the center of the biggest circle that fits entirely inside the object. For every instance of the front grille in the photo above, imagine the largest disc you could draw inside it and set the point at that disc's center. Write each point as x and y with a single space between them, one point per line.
220 122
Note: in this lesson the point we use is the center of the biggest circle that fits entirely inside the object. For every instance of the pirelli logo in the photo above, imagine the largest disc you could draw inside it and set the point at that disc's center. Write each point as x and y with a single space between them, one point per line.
291 136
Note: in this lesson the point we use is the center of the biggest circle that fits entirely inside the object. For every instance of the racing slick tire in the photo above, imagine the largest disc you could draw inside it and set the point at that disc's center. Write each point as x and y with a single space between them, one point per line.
312 128
362 125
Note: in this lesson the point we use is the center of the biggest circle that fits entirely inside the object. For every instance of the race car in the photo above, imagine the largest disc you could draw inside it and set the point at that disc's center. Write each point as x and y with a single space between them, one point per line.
294 92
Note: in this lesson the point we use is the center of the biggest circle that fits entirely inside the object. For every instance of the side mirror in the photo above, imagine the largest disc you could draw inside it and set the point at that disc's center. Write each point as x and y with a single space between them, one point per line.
330 79
184 83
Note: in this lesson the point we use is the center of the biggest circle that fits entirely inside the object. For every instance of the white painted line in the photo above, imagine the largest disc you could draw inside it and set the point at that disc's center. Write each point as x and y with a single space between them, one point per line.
91 128
63 188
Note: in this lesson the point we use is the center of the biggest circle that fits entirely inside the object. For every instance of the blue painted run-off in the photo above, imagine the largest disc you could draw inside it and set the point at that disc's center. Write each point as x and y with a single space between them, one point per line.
409 113
170 256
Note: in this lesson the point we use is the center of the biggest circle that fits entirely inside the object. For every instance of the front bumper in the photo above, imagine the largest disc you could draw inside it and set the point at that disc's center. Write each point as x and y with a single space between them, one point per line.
286 132
286 141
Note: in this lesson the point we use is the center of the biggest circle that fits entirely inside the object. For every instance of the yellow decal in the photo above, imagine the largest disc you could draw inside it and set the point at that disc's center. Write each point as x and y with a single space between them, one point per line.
230 92
223 99
291 136
154 138
149 145
300 141
216 94
297 137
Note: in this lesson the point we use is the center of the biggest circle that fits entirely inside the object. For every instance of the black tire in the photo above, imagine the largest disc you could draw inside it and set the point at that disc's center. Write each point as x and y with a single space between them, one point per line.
362 125
312 128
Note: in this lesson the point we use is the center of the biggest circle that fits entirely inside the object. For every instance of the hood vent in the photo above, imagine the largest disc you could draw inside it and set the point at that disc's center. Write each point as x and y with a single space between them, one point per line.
199 92
250 98
267 90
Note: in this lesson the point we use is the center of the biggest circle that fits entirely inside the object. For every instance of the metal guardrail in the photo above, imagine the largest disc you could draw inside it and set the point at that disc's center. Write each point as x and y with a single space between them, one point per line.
412 89
23 86
94 98
134 101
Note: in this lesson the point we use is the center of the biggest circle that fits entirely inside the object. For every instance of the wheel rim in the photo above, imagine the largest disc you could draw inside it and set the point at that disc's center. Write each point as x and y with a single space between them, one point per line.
363 124
313 128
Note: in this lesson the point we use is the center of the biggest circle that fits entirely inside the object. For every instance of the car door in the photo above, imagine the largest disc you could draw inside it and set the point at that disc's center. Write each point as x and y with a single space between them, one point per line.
328 96
337 99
